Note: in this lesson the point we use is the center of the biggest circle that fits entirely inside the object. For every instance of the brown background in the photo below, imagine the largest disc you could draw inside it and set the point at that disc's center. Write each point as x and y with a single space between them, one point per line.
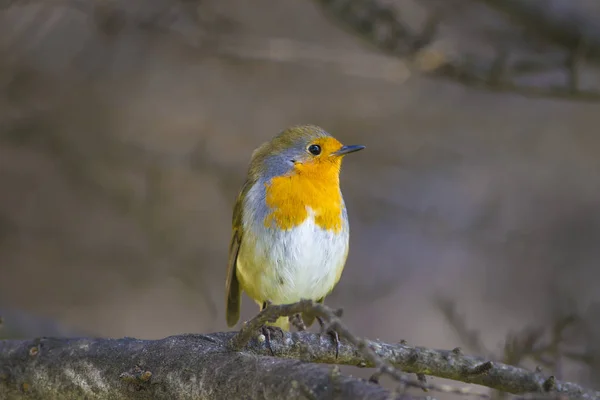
123 143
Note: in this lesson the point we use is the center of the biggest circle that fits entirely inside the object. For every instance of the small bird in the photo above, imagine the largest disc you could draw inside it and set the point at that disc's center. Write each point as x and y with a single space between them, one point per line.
290 224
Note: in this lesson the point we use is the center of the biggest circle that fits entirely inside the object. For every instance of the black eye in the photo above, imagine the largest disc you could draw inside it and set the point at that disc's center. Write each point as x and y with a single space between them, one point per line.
314 149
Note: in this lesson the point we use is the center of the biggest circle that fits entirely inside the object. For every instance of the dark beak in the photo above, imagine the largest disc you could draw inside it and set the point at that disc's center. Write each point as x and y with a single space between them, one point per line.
347 150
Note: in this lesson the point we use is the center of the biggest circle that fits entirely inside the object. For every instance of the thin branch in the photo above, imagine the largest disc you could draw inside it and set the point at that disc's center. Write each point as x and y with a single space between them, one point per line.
573 64
528 343
470 337
366 348
450 364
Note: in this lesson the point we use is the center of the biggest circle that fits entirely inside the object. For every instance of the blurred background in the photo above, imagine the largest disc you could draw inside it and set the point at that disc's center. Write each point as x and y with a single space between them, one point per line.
126 127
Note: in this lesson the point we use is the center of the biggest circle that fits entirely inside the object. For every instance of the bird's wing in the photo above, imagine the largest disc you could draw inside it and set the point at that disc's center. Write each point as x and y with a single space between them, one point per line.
232 285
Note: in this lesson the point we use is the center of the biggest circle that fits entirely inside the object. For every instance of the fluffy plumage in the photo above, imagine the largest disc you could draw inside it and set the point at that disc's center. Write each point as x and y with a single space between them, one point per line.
290 226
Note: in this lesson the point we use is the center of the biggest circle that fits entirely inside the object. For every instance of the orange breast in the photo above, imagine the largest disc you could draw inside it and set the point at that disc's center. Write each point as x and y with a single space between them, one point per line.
314 185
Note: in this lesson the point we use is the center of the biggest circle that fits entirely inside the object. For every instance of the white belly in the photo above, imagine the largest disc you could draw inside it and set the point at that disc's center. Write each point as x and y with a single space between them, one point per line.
286 266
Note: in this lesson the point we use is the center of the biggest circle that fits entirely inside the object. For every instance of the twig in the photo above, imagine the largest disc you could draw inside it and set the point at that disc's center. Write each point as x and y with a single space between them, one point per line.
469 336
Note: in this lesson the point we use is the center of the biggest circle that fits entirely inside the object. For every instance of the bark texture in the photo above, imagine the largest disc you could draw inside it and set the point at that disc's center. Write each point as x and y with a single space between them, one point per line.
206 367
177 367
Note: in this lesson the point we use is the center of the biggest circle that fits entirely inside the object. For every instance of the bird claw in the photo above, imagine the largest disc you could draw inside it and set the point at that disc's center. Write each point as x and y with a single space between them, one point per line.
334 335
336 339
266 331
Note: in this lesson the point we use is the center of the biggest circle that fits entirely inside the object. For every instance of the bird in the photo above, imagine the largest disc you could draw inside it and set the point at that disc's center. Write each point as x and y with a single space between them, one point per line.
290 230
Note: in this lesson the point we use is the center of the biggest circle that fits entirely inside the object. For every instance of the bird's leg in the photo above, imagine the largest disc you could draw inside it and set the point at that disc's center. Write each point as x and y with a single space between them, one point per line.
298 322
266 330
334 335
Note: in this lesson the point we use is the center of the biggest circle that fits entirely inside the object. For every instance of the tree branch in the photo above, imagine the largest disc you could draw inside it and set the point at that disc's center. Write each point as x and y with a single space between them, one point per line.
181 367
563 27
365 348
516 63
239 365
450 364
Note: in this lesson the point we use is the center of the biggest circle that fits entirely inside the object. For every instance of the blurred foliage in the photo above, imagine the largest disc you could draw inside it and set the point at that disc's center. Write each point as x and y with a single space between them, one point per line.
564 338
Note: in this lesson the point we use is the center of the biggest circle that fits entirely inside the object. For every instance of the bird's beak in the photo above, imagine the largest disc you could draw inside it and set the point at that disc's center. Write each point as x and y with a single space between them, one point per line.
347 150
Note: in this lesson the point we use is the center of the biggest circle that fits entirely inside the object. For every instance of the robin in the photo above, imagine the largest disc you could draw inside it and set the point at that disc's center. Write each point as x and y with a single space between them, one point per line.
290 225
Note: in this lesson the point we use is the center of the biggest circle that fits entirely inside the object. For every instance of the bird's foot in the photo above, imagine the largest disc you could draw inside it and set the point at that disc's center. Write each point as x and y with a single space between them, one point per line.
297 322
334 335
267 331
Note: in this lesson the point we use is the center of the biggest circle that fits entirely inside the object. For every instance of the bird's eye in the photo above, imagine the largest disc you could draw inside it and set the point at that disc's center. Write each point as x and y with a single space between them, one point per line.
314 149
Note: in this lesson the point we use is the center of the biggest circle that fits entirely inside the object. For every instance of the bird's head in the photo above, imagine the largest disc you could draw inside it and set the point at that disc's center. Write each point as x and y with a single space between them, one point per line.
301 149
